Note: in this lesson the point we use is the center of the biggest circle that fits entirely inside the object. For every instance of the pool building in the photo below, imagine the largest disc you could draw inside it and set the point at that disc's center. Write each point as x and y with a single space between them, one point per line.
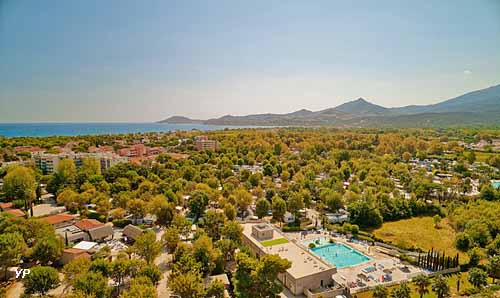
308 274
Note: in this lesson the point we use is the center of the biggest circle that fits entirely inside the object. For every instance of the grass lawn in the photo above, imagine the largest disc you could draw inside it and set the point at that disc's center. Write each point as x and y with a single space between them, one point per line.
452 281
274 242
420 232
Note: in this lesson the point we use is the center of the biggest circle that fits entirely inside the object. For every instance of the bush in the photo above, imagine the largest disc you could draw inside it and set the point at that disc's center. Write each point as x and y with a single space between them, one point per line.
475 256
121 223
366 234
469 292
408 259
363 237
291 229
94 215
346 228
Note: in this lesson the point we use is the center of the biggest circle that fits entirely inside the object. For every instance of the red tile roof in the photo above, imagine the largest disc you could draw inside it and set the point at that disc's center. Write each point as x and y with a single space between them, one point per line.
178 155
6 205
27 149
16 212
88 224
139 160
58 218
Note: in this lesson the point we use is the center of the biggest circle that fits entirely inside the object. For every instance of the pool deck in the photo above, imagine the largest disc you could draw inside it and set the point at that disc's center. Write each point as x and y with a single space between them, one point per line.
304 263
351 275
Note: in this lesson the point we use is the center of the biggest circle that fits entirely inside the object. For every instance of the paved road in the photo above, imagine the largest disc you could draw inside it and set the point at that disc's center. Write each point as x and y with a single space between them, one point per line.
163 261
314 216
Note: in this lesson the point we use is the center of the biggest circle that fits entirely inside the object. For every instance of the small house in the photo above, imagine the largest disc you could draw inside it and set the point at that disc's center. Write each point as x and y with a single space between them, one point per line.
60 220
101 233
288 218
131 233
69 254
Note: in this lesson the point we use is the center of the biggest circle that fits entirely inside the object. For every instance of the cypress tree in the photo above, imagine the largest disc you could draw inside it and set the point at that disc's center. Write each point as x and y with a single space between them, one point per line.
432 259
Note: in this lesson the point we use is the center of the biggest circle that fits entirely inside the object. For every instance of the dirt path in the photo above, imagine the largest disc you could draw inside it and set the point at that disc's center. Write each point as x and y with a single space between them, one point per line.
15 290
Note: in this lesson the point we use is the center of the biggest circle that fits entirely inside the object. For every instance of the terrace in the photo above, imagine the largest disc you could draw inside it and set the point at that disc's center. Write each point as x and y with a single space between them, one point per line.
307 271
377 268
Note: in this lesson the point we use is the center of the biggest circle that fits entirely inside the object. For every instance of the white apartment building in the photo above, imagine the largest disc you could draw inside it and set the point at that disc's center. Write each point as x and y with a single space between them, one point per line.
48 162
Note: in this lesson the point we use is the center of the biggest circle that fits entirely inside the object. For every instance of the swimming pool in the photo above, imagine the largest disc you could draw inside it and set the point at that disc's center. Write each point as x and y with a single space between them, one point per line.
317 241
496 184
340 255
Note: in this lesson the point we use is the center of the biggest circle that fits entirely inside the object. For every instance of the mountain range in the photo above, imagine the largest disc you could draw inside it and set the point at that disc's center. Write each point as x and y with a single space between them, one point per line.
481 107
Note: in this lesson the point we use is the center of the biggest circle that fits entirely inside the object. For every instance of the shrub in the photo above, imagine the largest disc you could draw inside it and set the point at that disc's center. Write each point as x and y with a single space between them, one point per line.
475 256
469 292
291 229
354 229
121 223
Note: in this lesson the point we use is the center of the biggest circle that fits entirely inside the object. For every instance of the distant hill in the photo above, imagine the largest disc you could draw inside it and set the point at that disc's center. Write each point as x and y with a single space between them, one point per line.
481 107
361 107
484 100
180 120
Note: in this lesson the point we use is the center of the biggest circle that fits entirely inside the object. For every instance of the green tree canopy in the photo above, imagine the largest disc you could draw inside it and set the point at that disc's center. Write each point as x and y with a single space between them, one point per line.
262 207
12 247
40 280
279 208
20 184
147 247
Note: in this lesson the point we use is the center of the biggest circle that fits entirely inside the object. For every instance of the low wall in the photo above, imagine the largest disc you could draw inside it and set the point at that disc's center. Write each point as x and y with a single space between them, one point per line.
446 271
400 250
332 293
368 288
410 276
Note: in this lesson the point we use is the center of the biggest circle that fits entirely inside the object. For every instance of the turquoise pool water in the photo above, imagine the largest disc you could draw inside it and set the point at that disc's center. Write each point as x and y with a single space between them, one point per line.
496 184
340 255
317 241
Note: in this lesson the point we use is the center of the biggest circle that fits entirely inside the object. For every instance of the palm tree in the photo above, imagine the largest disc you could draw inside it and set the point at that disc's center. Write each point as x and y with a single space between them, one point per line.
422 282
478 277
129 251
380 292
402 292
440 287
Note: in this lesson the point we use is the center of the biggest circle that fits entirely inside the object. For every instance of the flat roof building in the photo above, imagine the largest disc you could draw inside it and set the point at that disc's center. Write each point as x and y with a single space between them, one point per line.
203 143
308 272
48 162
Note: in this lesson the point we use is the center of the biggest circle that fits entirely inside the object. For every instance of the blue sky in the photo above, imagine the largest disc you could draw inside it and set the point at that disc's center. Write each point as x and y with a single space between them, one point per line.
122 60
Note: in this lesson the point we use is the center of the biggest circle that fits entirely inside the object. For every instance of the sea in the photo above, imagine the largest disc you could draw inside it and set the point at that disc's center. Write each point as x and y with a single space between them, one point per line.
76 129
